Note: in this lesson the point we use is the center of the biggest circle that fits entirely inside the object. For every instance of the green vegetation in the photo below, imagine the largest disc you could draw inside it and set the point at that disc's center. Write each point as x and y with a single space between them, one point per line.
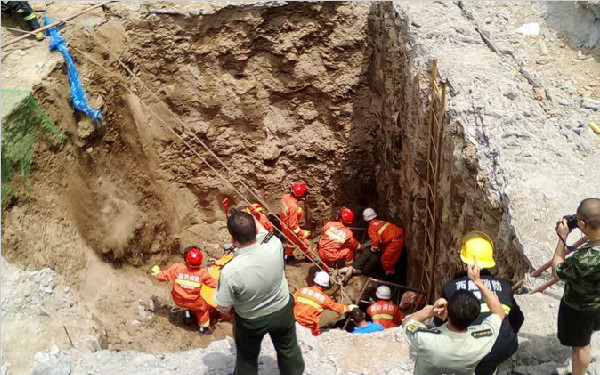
21 130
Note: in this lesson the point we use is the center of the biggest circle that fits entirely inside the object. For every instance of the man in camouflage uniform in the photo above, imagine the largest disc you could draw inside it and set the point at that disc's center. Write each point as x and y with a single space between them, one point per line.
579 311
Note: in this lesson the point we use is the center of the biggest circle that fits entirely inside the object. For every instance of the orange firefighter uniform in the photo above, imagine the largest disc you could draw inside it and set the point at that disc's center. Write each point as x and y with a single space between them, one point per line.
187 283
291 215
310 303
389 239
257 211
386 313
337 242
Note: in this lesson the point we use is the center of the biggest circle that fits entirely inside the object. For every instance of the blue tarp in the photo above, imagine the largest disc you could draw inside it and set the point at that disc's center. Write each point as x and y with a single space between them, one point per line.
57 42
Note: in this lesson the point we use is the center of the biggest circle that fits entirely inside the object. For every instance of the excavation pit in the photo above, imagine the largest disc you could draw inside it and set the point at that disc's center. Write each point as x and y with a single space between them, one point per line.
330 94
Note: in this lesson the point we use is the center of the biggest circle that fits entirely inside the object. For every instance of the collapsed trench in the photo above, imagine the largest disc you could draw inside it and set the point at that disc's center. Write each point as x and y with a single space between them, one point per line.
331 94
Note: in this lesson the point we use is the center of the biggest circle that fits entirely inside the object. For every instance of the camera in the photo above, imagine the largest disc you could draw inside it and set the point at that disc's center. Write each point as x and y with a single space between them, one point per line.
571 221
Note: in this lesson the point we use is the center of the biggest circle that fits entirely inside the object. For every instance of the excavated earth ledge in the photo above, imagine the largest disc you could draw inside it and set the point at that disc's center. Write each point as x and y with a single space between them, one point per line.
336 94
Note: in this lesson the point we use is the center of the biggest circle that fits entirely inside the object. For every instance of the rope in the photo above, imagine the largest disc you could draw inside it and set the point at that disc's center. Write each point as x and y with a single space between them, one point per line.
227 181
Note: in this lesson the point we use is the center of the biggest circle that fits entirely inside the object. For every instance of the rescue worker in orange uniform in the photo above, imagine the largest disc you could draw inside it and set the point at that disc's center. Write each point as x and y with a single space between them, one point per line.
257 211
384 311
338 242
291 215
311 301
385 237
188 279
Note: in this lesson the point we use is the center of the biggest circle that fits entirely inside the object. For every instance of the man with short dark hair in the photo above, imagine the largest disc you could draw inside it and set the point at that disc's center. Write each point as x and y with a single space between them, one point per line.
579 311
361 325
253 285
456 347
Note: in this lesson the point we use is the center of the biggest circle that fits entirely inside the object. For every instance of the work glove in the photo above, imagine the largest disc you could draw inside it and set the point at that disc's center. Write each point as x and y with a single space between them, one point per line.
307 233
155 270
352 307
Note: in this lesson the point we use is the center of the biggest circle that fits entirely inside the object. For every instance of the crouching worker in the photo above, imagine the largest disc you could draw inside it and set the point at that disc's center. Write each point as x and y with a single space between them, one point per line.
385 312
385 237
457 346
338 243
188 279
311 301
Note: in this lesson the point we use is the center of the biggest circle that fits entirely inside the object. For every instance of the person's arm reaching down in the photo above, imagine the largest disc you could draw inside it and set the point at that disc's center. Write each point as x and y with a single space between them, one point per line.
208 280
224 296
374 236
352 241
339 308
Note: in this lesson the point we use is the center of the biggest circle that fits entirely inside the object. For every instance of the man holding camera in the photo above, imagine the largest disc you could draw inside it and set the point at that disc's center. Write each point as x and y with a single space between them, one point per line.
579 312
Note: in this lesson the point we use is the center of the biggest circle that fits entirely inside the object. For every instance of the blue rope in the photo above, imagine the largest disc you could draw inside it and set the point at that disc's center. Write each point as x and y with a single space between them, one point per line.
78 98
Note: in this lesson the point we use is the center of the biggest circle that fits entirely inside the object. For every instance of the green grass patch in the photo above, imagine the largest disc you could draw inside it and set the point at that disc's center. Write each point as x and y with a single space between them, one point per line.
21 130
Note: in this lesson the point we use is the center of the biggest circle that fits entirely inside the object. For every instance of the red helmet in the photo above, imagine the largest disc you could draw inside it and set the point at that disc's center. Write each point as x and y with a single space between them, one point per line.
193 257
347 215
299 189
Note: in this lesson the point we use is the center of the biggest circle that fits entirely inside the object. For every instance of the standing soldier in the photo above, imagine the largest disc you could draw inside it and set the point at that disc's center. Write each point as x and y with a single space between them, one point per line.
338 242
384 311
291 215
386 238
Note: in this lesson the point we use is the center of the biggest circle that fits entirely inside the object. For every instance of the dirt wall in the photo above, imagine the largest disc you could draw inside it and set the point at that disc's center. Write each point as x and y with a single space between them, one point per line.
400 87
315 92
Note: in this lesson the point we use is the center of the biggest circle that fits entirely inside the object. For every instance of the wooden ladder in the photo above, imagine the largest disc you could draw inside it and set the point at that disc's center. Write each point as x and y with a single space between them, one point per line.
431 221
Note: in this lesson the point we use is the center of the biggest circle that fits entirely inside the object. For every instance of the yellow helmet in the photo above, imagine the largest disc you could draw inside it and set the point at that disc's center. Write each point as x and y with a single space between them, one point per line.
480 245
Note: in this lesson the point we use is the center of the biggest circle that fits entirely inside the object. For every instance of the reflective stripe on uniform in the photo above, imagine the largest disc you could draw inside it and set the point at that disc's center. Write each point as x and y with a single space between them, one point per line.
335 236
297 230
193 284
29 17
485 308
309 302
383 316
299 210
383 228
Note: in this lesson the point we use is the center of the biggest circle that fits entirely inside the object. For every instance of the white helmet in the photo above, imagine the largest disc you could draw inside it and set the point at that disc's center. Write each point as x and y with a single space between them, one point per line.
322 279
383 292
369 214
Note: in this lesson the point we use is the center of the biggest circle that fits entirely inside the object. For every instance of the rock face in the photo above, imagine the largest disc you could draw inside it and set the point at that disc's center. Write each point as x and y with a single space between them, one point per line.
579 19
511 165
